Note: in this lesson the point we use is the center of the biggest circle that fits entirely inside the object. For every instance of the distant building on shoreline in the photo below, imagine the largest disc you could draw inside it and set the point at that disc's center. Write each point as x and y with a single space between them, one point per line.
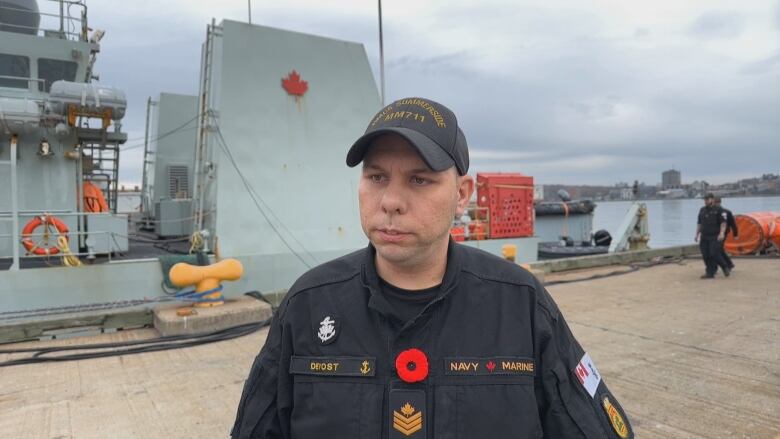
671 179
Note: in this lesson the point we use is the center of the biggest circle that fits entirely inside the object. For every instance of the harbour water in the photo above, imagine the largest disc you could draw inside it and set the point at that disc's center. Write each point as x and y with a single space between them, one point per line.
673 222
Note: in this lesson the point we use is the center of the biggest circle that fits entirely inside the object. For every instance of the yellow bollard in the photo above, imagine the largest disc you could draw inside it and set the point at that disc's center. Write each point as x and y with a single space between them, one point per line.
509 251
206 278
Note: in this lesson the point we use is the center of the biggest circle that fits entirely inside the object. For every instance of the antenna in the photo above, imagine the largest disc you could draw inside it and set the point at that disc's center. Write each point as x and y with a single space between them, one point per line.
249 5
381 56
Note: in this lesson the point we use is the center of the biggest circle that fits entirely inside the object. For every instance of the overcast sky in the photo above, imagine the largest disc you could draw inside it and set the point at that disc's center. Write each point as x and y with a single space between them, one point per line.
570 92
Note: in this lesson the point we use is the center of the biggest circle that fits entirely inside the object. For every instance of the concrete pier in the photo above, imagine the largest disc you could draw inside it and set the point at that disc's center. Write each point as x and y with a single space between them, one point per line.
687 358
176 319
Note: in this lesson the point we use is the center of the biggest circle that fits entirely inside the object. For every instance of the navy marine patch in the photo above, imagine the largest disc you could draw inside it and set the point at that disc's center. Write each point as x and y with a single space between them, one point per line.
489 366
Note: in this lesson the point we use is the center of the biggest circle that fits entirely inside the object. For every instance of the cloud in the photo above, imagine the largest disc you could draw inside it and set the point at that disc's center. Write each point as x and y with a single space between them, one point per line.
717 24
428 64
599 108
502 155
565 92
641 32
777 15
762 66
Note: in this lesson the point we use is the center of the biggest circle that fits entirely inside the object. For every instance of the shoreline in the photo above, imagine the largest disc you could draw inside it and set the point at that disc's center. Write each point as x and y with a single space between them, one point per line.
688 198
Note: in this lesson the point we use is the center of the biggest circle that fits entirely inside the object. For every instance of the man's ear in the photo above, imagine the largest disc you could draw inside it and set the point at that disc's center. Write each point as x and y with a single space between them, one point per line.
465 189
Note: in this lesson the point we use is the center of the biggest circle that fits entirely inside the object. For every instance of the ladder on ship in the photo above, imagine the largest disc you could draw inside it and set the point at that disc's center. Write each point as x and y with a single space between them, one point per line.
101 167
206 125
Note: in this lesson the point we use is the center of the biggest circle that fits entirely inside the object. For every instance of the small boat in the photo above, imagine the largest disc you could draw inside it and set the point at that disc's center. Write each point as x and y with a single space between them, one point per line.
556 250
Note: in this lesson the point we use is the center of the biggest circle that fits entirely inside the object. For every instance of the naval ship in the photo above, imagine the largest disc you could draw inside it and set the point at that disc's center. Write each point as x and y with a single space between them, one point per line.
261 180
250 168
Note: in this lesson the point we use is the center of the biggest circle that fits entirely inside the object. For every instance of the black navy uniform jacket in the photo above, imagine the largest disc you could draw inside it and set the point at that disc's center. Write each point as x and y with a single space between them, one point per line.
502 361
710 219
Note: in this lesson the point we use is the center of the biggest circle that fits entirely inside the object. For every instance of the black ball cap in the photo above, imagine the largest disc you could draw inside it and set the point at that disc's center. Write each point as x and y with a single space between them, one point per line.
428 126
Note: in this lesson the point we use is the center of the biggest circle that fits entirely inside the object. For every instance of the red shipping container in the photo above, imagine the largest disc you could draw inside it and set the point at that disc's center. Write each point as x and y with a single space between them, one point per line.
506 202
477 230
458 233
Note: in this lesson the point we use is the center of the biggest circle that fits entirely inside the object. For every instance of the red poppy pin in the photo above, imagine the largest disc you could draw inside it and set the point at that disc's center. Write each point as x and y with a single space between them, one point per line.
412 365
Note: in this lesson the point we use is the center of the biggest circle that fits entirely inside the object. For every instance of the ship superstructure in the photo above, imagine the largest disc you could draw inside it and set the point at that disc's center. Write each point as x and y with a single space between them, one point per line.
59 138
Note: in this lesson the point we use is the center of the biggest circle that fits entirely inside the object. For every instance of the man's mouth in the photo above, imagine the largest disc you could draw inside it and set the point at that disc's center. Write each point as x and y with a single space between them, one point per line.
392 235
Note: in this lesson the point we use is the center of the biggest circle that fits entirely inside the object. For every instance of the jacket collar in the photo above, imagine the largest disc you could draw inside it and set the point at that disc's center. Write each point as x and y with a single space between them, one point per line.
370 277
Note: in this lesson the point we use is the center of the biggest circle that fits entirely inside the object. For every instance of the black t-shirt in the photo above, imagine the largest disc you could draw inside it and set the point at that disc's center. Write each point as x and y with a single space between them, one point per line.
407 304
710 219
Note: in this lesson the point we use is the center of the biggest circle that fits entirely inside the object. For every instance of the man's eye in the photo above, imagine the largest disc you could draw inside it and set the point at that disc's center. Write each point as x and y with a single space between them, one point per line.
376 178
419 181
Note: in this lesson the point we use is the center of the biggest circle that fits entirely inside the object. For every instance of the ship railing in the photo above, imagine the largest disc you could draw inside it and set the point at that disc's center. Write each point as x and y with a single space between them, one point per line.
20 79
74 236
113 244
71 27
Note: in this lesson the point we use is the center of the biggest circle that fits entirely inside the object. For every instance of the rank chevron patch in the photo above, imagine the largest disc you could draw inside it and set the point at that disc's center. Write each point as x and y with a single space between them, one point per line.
406 408
408 421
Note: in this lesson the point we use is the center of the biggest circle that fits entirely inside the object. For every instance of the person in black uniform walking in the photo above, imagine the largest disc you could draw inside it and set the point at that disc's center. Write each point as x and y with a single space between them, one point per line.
417 336
731 226
710 233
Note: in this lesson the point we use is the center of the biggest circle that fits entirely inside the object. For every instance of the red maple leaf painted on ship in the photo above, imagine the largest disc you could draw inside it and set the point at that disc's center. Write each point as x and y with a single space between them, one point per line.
293 84
491 366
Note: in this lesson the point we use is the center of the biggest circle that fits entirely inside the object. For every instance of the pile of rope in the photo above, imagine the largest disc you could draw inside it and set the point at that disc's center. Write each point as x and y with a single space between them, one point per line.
101 350
68 258
630 268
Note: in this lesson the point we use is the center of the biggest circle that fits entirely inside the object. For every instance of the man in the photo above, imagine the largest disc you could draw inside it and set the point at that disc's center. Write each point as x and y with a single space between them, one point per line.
417 336
731 226
710 233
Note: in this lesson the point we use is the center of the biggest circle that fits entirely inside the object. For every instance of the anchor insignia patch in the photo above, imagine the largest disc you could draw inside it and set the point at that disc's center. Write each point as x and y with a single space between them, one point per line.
407 421
328 330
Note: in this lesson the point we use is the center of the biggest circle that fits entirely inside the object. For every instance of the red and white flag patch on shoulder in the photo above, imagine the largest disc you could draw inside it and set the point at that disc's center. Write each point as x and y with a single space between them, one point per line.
588 375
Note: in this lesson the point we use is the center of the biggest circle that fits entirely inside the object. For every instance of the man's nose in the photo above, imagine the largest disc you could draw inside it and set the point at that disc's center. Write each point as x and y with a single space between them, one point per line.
393 198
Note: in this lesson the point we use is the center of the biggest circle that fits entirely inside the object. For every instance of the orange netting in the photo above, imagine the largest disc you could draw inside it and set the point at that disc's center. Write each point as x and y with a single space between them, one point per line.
757 230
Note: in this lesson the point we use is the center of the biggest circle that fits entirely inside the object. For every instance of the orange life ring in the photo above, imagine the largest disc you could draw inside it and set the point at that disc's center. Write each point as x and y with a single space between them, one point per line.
46 221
